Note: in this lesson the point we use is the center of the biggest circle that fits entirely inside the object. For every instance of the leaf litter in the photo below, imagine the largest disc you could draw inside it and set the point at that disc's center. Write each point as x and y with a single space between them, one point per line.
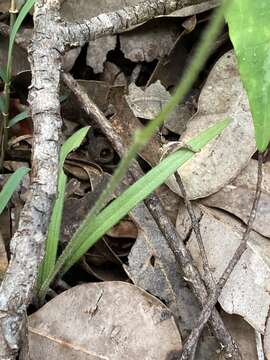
128 76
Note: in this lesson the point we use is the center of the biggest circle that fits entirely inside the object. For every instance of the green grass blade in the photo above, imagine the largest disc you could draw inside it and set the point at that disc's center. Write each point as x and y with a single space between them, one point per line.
97 226
143 136
22 116
22 14
3 74
249 29
70 145
2 104
11 185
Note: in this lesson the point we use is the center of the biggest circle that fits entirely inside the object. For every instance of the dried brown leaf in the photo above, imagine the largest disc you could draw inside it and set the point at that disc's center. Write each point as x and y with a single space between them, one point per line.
110 320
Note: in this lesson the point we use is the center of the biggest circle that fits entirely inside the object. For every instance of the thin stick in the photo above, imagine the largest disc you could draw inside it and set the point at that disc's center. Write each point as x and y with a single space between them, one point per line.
208 277
213 298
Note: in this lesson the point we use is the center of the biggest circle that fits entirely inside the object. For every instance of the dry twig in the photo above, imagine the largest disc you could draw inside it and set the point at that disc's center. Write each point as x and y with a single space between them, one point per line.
213 298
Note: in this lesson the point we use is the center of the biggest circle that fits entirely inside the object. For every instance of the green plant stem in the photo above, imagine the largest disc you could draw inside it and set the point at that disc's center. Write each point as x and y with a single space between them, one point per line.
4 131
142 137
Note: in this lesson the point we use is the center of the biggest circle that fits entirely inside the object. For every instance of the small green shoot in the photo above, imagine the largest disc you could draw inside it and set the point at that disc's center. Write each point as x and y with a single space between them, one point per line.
21 116
5 73
10 186
55 224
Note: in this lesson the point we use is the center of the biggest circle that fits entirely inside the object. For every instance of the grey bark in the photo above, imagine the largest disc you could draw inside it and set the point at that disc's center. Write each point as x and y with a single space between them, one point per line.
27 244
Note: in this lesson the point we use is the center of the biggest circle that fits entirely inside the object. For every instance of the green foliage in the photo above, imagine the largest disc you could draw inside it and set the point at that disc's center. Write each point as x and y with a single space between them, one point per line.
3 74
21 116
11 185
96 222
17 24
249 29
54 227
95 227
2 104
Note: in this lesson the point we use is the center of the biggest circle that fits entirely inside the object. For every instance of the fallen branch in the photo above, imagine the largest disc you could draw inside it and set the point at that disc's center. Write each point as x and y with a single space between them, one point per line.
27 244
114 22
213 298
208 277
174 241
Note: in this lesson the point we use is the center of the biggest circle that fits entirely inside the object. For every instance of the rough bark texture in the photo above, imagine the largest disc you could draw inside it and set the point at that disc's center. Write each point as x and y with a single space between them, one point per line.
27 245
115 22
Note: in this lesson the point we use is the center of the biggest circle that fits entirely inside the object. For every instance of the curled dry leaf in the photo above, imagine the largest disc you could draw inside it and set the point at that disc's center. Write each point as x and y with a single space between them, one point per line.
110 320
247 291
97 52
125 129
113 75
220 161
148 103
151 41
237 197
197 8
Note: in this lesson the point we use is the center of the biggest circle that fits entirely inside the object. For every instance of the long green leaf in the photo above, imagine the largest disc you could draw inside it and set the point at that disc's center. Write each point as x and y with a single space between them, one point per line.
11 185
2 104
21 116
97 226
55 224
142 136
3 74
249 28
22 14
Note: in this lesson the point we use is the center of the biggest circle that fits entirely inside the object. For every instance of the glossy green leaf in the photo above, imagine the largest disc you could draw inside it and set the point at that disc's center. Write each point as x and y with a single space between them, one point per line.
249 28
70 145
11 185
22 116
93 229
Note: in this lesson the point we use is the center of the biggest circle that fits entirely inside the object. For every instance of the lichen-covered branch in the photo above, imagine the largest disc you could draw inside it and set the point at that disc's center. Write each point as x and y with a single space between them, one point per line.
27 244
114 22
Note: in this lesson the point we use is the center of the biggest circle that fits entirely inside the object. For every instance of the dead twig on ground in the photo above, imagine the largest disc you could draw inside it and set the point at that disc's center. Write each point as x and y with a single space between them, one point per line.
213 298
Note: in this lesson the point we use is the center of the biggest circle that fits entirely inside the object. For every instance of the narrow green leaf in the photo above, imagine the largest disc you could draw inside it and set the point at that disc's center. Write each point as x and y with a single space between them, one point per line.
22 116
22 14
143 136
11 185
3 74
55 224
249 30
2 104
64 97
72 143
96 227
